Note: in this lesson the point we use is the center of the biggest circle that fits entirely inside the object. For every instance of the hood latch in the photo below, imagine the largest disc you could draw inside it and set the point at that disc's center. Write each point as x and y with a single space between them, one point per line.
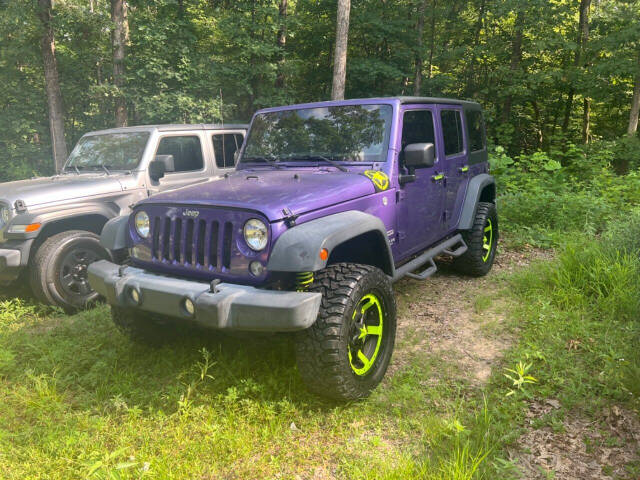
289 217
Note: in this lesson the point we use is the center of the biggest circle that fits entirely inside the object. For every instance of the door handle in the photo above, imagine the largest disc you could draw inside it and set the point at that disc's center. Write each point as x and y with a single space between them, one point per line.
438 177
464 169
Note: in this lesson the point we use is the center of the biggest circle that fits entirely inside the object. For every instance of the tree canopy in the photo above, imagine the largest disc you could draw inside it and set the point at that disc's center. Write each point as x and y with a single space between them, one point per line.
211 60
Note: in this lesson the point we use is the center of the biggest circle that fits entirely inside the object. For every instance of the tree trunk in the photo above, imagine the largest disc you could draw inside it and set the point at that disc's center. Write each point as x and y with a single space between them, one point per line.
516 59
635 103
120 38
432 40
340 55
476 41
417 83
282 43
52 86
586 120
583 35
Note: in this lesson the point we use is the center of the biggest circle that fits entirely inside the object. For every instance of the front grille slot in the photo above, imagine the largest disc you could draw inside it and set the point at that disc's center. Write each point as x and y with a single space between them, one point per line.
188 243
157 246
176 238
213 244
226 245
200 251
166 235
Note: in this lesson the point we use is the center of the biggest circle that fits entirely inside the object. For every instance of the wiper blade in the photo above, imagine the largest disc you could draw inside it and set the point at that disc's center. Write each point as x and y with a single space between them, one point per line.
269 160
105 168
324 159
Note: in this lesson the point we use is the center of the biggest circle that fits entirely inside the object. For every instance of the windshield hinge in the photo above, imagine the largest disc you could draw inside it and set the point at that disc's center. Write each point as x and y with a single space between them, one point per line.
289 217
20 206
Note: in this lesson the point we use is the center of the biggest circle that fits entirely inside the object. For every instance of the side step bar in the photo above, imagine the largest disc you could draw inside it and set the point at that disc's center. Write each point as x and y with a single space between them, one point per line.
446 247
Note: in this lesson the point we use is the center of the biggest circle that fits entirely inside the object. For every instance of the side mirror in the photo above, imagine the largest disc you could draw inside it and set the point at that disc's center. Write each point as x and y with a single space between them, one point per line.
419 155
161 165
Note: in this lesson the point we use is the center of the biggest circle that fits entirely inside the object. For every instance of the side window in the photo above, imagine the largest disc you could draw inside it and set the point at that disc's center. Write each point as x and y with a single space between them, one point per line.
452 131
417 127
225 146
186 151
476 128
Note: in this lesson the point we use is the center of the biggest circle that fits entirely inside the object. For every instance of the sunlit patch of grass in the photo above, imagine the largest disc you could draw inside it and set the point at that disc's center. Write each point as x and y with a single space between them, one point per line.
482 303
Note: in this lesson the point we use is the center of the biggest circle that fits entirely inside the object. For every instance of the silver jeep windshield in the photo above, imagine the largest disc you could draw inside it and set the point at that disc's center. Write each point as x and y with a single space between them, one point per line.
356 133
112 151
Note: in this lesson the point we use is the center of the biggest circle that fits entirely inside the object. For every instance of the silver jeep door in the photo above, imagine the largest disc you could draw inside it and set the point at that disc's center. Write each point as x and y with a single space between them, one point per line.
190 153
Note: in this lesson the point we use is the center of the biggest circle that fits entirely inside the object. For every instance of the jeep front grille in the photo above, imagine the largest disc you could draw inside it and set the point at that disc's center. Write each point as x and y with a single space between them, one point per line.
192 242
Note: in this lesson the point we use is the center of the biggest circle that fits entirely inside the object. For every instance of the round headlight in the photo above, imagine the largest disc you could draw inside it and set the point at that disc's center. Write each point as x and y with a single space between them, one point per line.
4 216
142 224
255 234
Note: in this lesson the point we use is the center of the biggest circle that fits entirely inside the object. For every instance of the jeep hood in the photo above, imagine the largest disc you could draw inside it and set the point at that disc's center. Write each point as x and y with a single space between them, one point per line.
270 191
38 192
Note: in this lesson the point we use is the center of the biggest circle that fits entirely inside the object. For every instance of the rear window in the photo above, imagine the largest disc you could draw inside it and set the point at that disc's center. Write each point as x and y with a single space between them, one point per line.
452 132
475 126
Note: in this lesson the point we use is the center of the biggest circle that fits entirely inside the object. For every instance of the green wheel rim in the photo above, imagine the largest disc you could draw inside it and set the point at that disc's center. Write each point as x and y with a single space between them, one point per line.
487 240
365 337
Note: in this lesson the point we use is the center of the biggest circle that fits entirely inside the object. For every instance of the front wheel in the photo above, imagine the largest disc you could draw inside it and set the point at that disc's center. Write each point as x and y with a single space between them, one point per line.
345 353
58 273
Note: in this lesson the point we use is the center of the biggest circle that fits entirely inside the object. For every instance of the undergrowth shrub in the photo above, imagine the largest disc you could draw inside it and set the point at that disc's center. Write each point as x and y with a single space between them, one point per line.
543 197
582 316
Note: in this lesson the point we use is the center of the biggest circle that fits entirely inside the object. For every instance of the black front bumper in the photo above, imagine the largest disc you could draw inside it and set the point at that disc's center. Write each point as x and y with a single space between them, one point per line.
230 307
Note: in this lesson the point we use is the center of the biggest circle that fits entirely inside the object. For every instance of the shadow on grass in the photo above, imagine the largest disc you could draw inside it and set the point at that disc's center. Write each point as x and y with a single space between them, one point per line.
95 365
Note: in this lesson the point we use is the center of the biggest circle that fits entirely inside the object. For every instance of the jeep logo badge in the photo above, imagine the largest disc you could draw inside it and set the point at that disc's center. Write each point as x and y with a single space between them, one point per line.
191 213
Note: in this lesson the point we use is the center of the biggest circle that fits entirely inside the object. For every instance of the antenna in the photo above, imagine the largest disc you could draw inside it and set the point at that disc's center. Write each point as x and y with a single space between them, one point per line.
221 108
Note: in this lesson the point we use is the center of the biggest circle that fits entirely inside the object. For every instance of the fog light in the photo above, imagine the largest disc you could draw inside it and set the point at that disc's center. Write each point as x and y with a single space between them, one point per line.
256 269
189 307
135 296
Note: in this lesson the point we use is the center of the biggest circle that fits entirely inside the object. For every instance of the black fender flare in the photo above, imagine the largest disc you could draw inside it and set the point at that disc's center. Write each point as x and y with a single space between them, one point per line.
114 235
474 192
298 249
53 215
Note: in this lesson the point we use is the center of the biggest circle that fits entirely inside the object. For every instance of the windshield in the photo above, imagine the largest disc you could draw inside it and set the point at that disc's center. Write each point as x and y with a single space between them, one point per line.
115 151
348 132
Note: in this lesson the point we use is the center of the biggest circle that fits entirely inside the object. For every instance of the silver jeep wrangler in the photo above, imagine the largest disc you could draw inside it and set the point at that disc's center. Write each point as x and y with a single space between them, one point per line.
49 227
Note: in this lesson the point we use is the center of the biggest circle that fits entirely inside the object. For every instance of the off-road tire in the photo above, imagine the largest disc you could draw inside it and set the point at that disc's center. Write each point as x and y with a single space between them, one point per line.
475 261
142 327
322 351
50 260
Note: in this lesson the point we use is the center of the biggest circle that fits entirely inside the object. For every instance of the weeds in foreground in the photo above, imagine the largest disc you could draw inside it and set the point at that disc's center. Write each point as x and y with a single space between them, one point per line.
520 378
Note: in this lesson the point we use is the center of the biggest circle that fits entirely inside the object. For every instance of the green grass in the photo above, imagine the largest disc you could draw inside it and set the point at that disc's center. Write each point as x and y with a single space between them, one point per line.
78 400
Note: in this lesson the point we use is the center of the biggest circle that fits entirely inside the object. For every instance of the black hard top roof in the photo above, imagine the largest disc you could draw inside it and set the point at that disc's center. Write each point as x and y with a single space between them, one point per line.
450 101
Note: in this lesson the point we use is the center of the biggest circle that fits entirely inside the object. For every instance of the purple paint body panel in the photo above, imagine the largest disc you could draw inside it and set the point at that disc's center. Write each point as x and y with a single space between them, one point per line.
197 232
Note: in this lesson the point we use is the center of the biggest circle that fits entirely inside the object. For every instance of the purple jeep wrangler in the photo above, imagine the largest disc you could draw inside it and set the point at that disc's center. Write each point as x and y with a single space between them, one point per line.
331 203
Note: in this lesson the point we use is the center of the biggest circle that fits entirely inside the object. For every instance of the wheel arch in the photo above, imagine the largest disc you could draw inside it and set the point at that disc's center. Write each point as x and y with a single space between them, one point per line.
90 223
91 218
482 188
342 235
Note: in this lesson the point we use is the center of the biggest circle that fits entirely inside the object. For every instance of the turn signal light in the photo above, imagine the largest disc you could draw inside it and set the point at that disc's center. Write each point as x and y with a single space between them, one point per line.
324 254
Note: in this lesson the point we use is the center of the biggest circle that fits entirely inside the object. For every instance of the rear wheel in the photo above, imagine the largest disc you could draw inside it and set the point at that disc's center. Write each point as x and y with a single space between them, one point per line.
481 240
58 274
345 353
